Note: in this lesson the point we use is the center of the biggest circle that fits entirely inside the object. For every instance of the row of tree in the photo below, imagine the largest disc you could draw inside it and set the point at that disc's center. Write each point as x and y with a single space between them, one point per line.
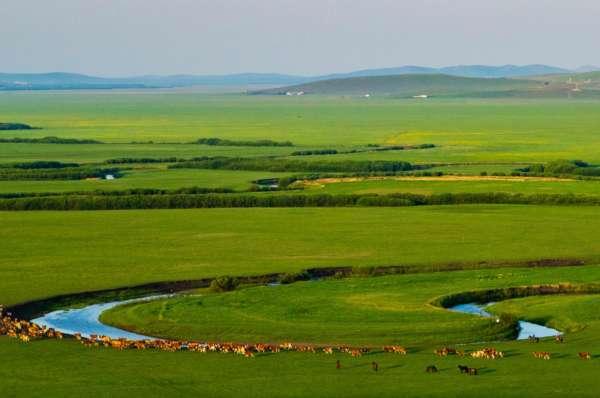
182 201
224 142
295 165
48 140
71 173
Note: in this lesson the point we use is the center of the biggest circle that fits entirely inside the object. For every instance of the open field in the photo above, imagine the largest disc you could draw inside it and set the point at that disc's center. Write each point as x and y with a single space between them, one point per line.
117 374
431 185
147 177
464 130
62 252
374 311
49 253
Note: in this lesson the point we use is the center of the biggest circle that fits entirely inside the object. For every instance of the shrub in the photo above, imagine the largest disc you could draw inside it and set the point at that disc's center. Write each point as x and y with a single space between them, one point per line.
222 142
224 284
292 277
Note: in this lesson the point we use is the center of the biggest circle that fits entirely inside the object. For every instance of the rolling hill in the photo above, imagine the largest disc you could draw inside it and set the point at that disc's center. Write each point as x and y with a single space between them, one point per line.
439 85
66 81
409 86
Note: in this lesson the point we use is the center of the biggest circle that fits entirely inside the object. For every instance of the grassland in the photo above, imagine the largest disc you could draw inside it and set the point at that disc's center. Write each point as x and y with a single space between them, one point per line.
62 252
43 254
156 177
465 130
428 186
359 311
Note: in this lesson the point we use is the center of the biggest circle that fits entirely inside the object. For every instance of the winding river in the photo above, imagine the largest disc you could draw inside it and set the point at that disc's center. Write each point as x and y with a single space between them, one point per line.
526 329
86 320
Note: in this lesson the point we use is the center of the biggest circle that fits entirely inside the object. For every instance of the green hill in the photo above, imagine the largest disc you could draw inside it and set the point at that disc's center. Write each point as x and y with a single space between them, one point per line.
431 85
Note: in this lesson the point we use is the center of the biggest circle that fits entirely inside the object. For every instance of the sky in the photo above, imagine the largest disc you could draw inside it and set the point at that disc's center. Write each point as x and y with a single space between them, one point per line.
306 37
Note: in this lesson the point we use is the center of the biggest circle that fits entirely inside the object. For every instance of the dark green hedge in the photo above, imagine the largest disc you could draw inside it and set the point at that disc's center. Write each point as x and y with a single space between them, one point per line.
184 201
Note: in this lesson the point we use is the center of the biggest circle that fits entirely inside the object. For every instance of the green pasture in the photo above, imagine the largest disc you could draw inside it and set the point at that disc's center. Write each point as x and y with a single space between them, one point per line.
146 177
97 153
76 251
363 311
388 305
67 369
428 187
465 130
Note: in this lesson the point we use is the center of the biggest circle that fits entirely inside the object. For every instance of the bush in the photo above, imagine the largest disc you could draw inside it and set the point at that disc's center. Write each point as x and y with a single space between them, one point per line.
224 284
222 142
292 277
47 140
15 126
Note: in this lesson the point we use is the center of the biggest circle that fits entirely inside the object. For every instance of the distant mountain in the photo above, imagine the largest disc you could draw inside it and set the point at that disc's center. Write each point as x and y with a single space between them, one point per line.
501 71
587 68
411 85
483 71
59 80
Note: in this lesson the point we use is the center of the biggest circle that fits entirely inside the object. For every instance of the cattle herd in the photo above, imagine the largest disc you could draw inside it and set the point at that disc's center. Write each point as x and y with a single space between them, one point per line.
27 331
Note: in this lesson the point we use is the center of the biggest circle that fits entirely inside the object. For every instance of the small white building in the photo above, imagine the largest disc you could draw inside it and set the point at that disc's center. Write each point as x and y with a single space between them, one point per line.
421 96
109 177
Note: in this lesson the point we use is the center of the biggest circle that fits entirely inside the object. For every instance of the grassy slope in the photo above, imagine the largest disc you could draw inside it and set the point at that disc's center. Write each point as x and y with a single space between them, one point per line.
408 85
60 252
358 311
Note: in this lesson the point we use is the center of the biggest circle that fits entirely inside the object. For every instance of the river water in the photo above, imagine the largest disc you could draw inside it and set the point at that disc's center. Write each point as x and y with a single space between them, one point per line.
526 329
86 320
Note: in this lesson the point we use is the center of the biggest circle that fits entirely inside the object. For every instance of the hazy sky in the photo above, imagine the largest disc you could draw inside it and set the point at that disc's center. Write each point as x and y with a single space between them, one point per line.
132 37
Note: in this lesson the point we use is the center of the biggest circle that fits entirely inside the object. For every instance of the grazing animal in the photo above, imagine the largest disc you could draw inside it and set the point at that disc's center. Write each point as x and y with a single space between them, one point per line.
541 355
431 369
463 369
473 372
533 339
395 349
559 338
375 366
585 355
488 353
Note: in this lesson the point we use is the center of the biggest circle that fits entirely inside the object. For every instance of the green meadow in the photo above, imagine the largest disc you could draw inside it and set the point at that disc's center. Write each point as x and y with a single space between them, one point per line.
77 251
503 130
374 311
44 254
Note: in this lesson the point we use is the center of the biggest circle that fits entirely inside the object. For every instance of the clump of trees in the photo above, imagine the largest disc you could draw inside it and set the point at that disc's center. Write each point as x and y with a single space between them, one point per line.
48 140
143 160
224 284
292 277
224 142
294 165
561 168
310 152
15 126
56 173
43 164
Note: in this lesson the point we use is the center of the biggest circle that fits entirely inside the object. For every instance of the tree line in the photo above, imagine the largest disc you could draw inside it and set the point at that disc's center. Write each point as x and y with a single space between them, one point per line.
48 140
212 200
224 142
295 165
69 173
15 126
